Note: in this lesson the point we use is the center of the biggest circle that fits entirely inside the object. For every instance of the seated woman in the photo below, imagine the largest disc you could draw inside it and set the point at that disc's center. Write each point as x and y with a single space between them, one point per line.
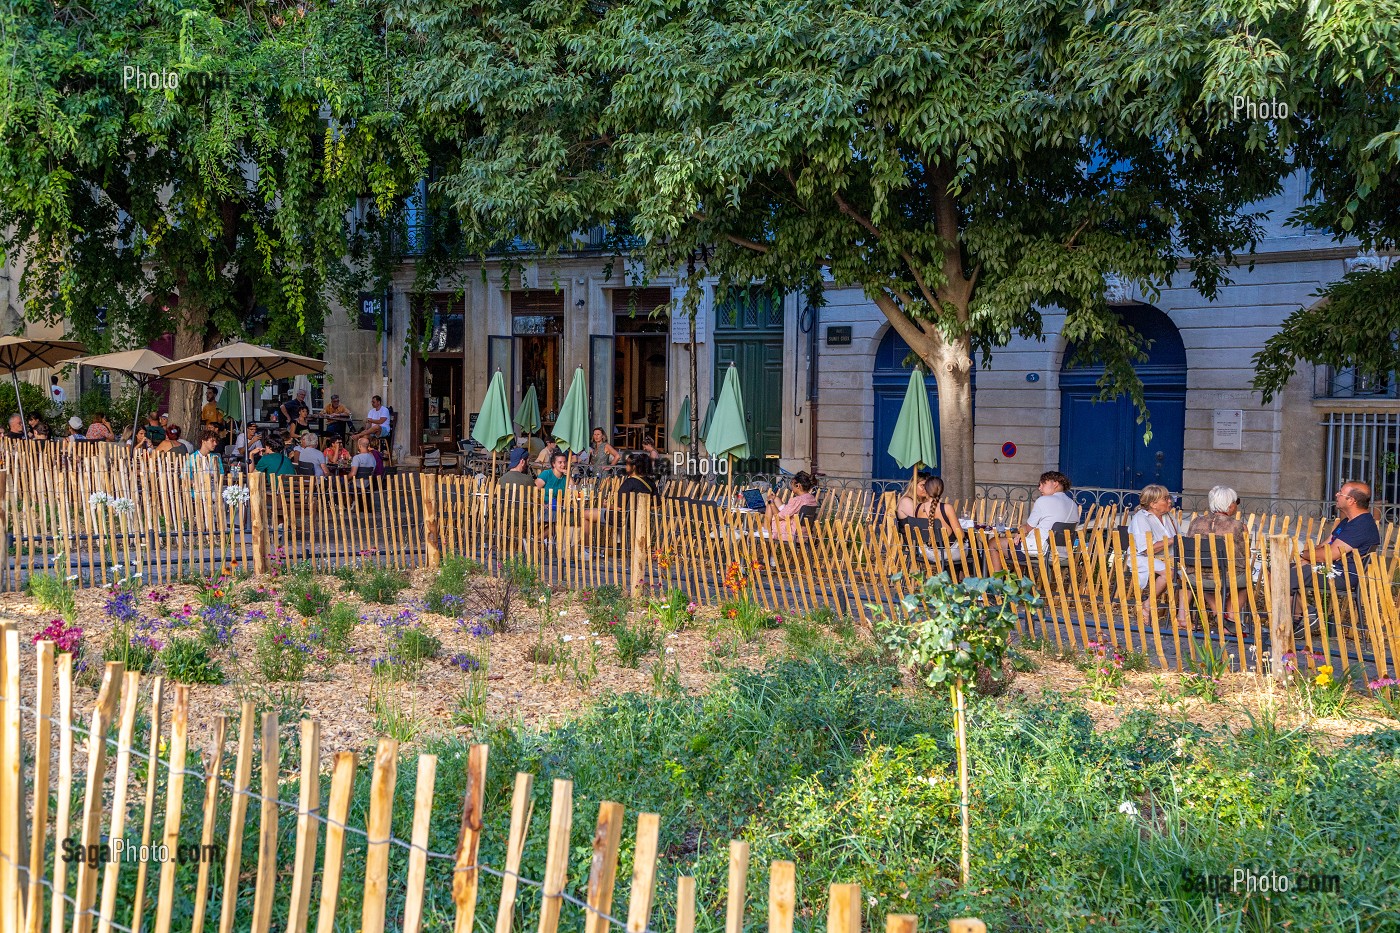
1222 519
1153 520
99 430
785 521
337 454
172 444
602 454
300 424
142 442
637 481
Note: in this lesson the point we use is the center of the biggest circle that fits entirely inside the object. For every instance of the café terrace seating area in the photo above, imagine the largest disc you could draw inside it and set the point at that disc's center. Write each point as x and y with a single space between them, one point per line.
96 514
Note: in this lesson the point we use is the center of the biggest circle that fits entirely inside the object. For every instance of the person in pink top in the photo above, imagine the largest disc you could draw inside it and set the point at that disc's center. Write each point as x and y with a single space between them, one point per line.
785 521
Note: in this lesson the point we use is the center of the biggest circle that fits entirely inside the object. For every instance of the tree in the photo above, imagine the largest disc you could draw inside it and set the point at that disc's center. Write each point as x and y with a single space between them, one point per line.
965 164
215 203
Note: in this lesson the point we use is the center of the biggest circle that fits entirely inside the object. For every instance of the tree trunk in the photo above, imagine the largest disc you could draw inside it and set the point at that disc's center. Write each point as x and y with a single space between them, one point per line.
950 363
186 398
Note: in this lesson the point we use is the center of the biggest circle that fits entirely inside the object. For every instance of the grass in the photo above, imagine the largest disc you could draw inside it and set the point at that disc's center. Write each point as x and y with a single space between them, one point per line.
53 592
634 641
188 661
828 764
378 585
448 588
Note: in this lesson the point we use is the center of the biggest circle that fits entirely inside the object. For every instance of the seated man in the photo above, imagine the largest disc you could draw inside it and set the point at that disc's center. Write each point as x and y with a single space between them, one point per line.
275 462
250 441
15 429
337 417
1356 533
308 454
377 421
1053 507
519 472
553 481
154 432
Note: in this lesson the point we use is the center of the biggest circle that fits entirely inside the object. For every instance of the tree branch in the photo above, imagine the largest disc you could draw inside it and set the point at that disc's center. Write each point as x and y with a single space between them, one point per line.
1069 244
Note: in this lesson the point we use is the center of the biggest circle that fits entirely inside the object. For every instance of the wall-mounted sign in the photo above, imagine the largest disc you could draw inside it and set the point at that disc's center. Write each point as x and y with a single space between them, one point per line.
838 336
680 321
1008 450
1228 429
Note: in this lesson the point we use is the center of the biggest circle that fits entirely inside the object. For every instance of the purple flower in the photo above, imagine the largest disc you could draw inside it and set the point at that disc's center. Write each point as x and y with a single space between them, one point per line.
464 662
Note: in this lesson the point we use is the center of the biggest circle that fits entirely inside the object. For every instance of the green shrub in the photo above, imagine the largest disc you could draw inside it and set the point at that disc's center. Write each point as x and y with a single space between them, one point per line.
187 661
283 650
446 594
336 626
380 585
53 592
635 640
307 598
137 652
35 398
745 617
409 647
346 574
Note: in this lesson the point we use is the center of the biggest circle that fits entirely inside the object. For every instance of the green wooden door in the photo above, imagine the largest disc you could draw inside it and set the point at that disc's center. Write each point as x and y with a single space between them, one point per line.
760 364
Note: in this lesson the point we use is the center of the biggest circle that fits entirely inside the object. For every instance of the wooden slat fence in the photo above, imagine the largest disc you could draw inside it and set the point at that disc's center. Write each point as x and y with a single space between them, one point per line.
41 890
166 525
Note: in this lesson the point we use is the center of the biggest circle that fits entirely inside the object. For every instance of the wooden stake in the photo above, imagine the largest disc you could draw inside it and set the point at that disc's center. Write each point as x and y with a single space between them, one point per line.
960 727
782 896
466 879
556 864
1280 605
418 855
381 817
238 811
342 789
843 909
211 811
685 904
43 739
308 827
602 874
174 806
643 892
520 806
738 886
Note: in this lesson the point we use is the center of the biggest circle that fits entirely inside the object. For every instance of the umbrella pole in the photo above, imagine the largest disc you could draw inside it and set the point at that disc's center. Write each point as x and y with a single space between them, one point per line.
245 401
23 424
136 417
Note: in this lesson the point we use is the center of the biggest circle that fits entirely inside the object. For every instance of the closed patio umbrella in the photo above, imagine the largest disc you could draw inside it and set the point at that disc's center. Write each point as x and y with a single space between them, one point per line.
142 365
913 443
527 414
680 431
571 430
492 429
728 434
21 354
231 401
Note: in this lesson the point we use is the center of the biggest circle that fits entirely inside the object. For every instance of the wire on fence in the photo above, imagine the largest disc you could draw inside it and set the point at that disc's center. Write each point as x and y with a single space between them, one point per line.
314 814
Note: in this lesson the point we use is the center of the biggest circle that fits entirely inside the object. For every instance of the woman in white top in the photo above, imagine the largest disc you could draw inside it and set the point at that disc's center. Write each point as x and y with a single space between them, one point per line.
1153 520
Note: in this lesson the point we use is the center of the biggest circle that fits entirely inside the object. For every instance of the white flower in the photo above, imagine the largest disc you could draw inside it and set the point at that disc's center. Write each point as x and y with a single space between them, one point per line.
1128 808
122 506
98 499
563 612
236 495
568 638
672 635
670 650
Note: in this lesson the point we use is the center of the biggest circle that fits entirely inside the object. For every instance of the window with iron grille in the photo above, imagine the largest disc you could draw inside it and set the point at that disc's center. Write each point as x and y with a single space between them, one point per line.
1364 446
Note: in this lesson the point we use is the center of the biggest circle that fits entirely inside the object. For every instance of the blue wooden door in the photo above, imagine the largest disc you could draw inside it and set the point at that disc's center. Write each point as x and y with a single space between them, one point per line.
1101 443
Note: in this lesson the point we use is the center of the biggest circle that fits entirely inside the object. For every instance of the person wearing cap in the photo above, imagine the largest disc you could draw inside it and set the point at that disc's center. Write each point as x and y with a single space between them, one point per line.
519 472
75 429
337 418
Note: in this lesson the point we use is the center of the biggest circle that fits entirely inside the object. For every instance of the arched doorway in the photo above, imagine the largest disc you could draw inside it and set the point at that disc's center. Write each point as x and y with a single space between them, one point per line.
890 380
1101 443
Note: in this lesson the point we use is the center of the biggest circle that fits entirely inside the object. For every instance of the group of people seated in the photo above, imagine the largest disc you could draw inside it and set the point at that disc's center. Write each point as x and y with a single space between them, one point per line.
282 453
1155 535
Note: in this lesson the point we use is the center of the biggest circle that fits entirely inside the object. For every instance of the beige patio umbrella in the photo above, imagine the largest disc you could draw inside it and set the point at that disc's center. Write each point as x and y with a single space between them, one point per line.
241 363
21 354
142 365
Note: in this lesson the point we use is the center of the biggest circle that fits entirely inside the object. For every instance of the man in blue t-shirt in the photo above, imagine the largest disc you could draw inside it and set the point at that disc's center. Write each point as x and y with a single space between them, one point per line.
1356 534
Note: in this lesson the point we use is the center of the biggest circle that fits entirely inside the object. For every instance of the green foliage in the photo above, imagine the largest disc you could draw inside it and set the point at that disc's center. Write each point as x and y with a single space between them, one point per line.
283 650
306 597
1204 672
336 627
945 630
745 616
36 400
635 640
607 607
410 647
445 594
53 592
135 652
380 585
188 661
